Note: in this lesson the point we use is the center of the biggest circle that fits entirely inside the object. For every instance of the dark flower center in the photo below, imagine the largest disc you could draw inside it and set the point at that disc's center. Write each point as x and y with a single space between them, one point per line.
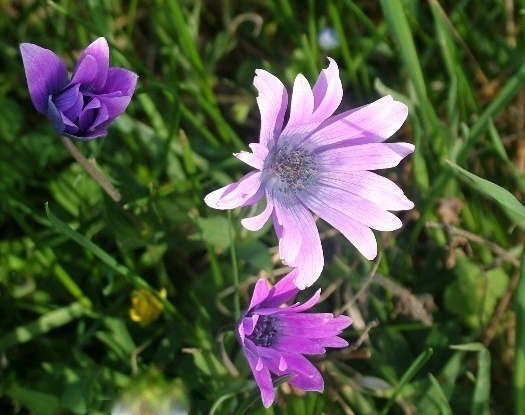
294 169
264 331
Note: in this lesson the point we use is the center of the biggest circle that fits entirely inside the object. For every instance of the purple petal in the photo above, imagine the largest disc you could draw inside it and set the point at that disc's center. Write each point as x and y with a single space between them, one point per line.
248 325
92 66
45 72
370 186
87 116
307 377
85 73
299 308
70 102
283 291
56 117
100 132
310 325
102 118
332 341
255 223
299 244
297 345
246 191
260 293
364 157
115 105
121 80
358 234
272 101
370 123
328 92
261 374
256 158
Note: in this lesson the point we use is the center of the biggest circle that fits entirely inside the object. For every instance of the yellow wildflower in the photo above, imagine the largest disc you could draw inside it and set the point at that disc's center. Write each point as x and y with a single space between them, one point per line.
145 307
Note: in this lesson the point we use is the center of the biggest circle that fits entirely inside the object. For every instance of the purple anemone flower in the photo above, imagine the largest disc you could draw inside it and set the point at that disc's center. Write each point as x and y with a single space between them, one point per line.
84 106
274 338
319 163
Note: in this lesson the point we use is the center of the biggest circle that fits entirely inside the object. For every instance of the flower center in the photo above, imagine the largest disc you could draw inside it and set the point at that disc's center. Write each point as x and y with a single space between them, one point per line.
294 169
264 331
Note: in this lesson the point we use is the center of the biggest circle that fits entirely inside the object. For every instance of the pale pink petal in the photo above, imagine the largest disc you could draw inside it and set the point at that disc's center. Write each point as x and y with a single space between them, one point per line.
364 157
370 123
354 207
370 186
328 92
361 236
255 223
272 101
300 236
244 192
301 107
254 159
288 234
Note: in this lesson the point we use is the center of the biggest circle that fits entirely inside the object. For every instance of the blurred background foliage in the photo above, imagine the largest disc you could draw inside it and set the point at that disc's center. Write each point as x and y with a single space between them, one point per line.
83 324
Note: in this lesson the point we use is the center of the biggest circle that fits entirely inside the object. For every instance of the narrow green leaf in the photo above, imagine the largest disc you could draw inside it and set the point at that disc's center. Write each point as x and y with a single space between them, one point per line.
44 324
481 396
407 377
444 406
501 195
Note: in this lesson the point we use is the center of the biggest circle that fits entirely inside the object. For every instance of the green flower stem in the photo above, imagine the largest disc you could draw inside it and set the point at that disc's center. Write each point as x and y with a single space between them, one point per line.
91 170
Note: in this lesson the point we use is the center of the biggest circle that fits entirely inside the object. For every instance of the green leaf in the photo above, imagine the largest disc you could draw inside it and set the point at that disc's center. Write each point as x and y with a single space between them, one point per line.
38 402
498 193
214 230
475 293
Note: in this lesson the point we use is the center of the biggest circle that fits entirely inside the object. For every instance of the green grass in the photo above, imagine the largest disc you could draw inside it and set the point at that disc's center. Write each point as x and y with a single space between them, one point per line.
449 326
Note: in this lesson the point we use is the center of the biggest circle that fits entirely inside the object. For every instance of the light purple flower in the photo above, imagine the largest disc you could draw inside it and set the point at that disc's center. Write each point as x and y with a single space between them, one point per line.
319 163
84 106
274 338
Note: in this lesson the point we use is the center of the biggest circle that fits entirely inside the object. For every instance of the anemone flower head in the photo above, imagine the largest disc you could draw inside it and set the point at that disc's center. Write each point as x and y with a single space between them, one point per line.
275 338
319 163
83 106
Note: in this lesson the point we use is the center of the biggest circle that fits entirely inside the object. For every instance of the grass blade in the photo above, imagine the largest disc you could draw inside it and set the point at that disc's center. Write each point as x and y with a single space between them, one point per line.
44 324
481 396
407 377
501 195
